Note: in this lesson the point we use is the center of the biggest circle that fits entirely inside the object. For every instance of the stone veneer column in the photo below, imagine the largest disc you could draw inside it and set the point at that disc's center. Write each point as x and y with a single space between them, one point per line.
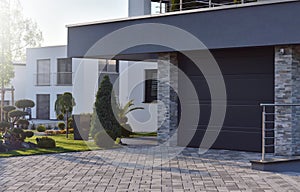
287 90
167 96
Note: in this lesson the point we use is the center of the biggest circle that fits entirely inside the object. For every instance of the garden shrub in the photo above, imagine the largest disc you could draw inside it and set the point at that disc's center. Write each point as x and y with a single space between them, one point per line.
4 125
118 141
41 128
105 106
17 131
102 139
61 125
3 148
24 103
46 142
70 122
60 117
19 135
23 123
29 134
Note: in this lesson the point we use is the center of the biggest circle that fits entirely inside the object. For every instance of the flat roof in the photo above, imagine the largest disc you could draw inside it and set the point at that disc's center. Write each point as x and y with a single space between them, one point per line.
45 47
258 3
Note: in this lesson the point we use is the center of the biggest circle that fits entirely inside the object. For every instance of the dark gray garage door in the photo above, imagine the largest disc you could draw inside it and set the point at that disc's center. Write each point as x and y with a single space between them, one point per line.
249 79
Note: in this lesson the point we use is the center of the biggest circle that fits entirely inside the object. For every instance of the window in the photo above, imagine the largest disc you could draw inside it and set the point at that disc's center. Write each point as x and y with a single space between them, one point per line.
107 66
64 71
150 85
43 72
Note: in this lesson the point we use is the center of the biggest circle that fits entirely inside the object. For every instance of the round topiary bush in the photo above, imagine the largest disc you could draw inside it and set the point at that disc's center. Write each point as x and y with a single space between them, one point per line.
41 128
23 123
61 125
4 125
24 103
29 134
17 131
102 139
46 142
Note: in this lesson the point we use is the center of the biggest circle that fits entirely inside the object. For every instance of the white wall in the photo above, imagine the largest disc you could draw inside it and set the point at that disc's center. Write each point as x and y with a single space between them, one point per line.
85 85
85 78
132 86
34 54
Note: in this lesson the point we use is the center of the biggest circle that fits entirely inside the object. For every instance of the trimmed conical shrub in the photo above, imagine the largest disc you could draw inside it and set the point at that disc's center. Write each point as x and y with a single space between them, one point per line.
105 106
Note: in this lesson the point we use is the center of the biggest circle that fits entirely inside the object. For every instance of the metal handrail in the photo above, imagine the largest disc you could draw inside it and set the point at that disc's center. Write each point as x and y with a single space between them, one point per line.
205 4
264 114
50 79
278 105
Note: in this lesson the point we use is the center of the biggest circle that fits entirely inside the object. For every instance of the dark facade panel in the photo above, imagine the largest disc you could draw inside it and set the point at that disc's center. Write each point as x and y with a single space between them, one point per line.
261 25
249 80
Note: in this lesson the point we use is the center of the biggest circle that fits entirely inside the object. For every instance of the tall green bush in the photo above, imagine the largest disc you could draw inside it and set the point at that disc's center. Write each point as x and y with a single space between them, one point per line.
106 105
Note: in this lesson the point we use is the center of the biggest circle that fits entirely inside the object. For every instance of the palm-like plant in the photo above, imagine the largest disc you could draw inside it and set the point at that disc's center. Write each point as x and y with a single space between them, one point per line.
124 110
64 105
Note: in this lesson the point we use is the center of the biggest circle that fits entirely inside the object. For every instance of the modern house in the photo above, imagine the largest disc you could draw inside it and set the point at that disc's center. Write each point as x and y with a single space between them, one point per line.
50 73
256 48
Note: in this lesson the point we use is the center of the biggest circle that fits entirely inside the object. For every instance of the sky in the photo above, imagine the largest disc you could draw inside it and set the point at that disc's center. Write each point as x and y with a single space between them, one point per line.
52 16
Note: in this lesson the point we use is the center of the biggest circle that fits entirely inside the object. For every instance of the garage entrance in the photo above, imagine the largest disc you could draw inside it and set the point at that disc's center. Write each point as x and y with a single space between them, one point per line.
249 80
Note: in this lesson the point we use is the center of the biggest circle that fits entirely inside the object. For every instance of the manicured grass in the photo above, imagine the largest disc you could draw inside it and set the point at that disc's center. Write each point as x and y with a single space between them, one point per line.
144 134
62 145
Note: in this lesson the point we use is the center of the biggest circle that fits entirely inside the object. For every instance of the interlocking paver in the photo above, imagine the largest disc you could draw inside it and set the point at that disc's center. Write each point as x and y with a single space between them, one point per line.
142 169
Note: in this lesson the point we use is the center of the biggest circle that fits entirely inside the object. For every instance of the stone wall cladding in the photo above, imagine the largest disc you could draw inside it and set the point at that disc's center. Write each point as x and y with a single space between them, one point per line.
287 90
167 97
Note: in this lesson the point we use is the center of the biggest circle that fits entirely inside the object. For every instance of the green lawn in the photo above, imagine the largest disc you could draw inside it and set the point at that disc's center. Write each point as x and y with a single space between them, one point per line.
62 145
143 134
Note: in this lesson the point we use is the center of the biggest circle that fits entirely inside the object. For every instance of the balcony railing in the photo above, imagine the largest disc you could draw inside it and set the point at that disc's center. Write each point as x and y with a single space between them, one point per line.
197 4
54 79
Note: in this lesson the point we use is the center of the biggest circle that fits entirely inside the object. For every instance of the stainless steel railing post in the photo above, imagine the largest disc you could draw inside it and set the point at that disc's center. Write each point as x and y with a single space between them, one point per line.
263 133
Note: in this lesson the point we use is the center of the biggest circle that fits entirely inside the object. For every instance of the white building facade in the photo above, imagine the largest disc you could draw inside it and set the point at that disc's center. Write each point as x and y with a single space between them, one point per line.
50 74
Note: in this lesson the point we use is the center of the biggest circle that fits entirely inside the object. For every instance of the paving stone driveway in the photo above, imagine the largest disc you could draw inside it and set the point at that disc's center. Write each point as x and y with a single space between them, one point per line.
130 169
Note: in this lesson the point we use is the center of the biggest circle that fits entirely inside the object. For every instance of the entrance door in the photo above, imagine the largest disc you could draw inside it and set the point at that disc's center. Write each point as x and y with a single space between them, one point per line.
43 106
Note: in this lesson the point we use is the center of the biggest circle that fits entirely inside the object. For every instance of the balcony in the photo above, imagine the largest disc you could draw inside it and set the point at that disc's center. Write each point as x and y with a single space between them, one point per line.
262 23
54 79
182 5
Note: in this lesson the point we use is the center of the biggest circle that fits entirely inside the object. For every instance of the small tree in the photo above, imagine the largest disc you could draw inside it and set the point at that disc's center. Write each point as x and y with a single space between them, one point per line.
6 110
24 103
15 115
64 105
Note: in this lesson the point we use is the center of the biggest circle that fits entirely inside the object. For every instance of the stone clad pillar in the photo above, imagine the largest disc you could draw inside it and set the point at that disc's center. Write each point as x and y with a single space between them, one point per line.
168 100
287 90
